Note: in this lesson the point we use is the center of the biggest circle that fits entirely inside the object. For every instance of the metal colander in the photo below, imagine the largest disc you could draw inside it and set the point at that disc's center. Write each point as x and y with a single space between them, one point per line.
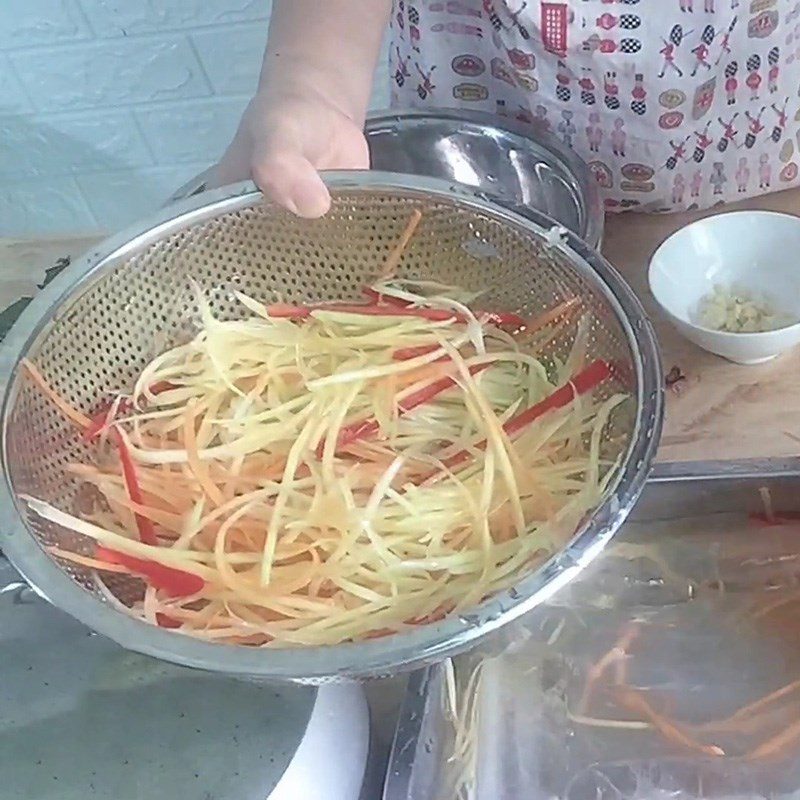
93 329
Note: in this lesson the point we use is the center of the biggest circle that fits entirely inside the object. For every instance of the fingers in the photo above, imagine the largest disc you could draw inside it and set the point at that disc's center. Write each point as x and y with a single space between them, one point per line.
290 180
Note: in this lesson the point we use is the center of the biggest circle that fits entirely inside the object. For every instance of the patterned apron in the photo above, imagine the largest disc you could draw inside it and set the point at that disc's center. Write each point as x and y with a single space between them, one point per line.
674 104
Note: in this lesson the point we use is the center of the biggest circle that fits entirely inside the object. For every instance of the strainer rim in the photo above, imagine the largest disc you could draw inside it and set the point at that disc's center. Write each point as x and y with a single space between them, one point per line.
428 643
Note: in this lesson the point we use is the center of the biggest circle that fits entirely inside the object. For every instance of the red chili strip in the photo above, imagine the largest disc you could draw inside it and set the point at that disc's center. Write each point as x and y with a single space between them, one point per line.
147 533
174 582
102 422
582 383
369 427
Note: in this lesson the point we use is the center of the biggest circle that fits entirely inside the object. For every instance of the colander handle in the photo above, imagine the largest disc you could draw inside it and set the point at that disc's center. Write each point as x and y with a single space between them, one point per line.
197 185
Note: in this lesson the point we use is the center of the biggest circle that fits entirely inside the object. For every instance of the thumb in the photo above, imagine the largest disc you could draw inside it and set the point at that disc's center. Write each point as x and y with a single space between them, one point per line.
288 178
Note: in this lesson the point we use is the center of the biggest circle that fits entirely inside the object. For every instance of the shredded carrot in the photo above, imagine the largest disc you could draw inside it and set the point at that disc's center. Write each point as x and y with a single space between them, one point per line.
70 412
393 261
774 746
634 701
757 706
562 311
619 653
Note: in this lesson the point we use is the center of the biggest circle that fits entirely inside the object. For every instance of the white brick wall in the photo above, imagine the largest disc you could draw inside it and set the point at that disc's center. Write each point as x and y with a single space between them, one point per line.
106 106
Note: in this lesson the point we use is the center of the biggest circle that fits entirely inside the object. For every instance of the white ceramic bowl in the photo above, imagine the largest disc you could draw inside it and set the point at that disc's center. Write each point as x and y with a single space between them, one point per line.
757 250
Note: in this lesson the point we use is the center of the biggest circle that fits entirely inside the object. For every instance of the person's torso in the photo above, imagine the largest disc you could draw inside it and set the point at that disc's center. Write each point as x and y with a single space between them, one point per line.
673 103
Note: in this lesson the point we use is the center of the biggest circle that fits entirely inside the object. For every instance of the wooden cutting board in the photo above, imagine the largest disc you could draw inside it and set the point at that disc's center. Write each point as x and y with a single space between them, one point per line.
720 411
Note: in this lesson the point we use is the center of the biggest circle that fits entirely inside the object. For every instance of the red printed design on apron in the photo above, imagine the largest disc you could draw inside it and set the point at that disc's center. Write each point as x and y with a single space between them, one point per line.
554 27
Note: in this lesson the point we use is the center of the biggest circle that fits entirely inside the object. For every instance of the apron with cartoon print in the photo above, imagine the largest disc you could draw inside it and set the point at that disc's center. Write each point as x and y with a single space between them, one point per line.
674 104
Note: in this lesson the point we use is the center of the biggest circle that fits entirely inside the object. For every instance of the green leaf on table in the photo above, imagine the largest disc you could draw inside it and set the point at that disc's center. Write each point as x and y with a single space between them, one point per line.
10 315
55 270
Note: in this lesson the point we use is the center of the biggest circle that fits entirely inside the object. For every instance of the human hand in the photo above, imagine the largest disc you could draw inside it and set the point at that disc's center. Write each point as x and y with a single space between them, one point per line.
284 139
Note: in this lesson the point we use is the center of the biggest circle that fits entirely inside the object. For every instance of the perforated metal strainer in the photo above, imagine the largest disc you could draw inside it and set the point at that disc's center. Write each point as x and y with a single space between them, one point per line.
94 328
